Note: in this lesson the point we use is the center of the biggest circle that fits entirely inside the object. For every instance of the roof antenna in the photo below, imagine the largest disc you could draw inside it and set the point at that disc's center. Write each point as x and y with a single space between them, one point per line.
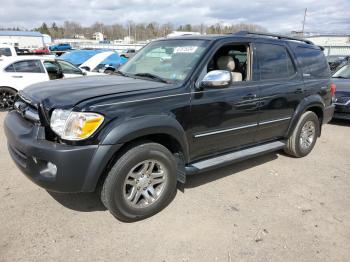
302 31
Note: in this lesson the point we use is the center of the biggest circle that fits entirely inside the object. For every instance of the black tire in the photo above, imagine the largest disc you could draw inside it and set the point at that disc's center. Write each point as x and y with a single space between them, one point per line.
113 188
7 98
294 145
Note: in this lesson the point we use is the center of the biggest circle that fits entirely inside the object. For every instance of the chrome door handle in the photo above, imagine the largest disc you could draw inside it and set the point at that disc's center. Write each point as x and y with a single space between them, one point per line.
17 76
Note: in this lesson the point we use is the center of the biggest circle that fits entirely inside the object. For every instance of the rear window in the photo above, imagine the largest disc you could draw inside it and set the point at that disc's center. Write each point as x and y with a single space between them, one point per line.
313 63
274 62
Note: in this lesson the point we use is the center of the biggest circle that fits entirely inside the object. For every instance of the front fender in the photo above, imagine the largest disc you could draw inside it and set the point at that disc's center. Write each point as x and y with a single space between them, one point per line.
304 105
122 131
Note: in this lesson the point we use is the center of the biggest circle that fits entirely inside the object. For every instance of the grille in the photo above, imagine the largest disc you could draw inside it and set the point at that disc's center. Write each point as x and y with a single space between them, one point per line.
342 100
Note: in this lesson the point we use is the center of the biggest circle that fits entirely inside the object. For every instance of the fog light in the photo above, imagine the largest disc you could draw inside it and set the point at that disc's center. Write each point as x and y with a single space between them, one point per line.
49 171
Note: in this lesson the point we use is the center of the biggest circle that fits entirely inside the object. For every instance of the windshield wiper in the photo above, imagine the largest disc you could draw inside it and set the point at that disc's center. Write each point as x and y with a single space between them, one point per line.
152 76
120 73
339 77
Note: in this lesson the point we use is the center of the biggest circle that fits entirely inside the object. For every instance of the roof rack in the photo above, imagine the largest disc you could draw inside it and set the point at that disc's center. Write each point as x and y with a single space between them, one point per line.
275 35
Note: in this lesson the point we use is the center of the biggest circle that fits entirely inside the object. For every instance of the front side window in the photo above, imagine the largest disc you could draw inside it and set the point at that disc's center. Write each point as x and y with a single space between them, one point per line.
274 62
171 60
68 68
28 66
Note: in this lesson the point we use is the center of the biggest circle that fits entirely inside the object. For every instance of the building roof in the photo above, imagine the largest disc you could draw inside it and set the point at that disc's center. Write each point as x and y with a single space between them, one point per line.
21 33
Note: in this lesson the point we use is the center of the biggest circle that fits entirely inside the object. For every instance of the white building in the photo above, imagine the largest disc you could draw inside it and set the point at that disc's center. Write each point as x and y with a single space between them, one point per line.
98 36
333 44
22 39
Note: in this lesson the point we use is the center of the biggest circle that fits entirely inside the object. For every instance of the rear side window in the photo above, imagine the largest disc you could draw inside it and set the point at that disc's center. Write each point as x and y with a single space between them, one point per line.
274 62
313 63
28 66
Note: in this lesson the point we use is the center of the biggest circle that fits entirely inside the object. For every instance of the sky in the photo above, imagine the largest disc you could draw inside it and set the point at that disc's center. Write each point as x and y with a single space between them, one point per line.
323 16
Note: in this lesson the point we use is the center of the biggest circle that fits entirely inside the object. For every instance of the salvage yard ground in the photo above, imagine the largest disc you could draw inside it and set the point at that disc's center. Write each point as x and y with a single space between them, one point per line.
271 208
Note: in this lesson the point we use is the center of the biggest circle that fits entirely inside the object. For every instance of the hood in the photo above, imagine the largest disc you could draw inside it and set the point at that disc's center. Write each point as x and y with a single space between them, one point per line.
343 86
66 93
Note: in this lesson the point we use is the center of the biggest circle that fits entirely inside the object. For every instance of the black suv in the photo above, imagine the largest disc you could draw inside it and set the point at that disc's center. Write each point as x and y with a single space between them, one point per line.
180 106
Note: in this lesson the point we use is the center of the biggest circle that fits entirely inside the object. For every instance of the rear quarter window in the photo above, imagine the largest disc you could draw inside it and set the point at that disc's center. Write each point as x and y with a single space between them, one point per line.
313 63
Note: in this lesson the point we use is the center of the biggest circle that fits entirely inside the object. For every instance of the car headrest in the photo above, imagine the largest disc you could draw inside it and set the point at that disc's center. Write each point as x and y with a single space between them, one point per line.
226 63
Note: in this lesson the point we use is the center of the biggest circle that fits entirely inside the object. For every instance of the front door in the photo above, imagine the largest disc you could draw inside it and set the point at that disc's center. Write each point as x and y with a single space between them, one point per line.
225 119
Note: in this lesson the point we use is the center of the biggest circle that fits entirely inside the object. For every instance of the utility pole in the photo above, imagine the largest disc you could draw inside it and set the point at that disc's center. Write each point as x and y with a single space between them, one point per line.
304 21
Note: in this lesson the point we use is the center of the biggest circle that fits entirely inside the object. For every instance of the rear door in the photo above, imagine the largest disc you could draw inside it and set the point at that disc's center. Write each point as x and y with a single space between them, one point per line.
280 89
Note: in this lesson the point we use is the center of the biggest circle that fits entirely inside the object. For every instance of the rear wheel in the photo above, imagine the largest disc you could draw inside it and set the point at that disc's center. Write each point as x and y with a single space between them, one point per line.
304 136
141 183
7 98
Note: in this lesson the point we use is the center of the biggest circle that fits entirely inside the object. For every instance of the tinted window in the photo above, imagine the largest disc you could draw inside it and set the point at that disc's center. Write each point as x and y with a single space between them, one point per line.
28 66
274 62
5 51
67 68
313 62
10 68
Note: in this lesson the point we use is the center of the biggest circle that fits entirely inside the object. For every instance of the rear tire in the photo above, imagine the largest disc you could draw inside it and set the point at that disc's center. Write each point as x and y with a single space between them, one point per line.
7 98
141 182
304 136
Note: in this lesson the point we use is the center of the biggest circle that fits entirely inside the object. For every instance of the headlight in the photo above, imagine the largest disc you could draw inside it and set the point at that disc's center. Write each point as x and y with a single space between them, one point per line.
74 125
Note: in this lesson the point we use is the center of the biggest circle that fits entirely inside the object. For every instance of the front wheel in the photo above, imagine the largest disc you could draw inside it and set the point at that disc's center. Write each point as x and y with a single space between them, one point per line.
141 182
7 98
304 136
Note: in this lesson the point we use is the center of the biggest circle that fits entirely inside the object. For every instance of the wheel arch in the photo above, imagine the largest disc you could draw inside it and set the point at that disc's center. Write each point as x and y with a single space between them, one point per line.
312 103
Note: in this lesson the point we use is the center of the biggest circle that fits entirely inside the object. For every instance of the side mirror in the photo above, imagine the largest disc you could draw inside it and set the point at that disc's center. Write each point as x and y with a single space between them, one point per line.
216 79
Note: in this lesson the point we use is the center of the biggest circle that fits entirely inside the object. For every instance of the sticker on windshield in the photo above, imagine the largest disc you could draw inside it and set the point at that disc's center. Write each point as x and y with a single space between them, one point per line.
185 49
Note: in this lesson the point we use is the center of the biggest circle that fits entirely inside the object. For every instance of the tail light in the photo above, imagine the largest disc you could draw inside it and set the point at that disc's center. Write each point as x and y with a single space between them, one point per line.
333 89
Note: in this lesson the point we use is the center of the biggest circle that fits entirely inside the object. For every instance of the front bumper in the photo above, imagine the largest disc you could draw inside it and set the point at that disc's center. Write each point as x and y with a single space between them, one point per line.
78 167
342 112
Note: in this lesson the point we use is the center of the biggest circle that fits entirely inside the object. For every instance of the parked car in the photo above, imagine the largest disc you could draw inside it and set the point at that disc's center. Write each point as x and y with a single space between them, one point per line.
105 62
7 50
342 103
60 47
16 73
78 57
132 136
42 50
128 53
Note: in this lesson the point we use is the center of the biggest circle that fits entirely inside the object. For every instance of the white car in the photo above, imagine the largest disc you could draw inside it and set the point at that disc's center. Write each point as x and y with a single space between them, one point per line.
105 62
18 72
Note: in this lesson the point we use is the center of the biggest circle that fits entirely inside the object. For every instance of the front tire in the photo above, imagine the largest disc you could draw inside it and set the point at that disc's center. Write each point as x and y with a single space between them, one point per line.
7 98
304 136
141 182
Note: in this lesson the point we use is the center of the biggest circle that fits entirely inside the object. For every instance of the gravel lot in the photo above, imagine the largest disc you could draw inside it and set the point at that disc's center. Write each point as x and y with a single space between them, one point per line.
271 208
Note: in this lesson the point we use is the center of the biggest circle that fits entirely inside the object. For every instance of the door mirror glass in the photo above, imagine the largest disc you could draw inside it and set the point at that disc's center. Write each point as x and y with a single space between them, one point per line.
216 79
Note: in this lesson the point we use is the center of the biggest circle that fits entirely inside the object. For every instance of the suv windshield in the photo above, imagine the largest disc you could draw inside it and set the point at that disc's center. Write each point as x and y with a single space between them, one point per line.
343 72
170 60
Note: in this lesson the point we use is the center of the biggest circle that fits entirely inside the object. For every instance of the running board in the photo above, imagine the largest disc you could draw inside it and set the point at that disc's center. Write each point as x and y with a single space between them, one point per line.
236 156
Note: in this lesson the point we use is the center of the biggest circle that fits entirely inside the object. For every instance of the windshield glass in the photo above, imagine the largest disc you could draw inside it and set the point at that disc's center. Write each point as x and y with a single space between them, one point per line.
171 60
343 72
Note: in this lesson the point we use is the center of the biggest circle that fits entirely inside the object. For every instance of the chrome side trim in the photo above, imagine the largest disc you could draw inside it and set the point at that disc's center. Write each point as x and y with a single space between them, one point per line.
225 130
139 100
274 121
242 127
